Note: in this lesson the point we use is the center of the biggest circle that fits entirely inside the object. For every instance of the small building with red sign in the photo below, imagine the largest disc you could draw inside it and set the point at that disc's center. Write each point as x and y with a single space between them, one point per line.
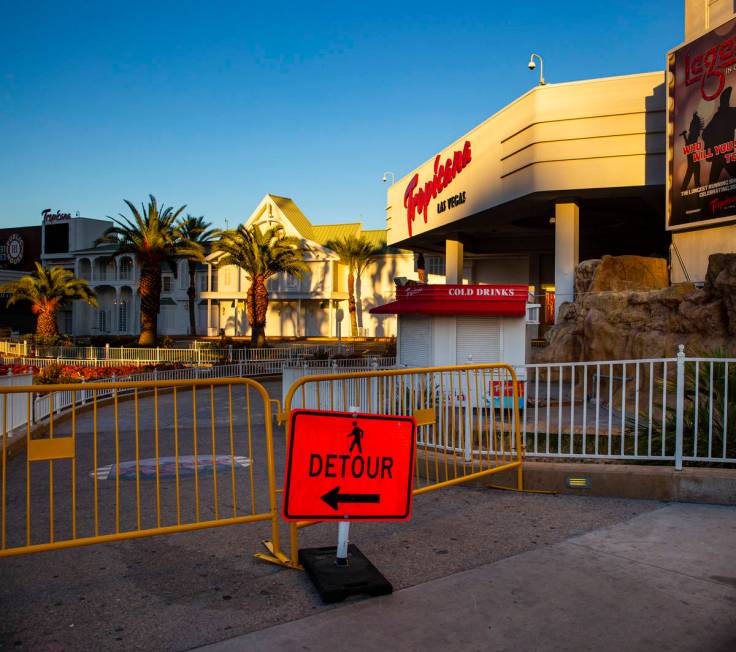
460 324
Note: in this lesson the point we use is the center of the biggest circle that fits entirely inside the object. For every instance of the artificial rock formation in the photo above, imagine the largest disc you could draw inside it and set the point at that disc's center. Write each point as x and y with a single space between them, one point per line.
624 308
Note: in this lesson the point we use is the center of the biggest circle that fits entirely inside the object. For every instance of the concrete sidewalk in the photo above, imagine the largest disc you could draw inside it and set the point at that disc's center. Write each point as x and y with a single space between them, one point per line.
664 580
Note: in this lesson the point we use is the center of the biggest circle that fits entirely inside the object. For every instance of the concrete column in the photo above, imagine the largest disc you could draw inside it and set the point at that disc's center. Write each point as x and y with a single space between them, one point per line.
453 262
567 250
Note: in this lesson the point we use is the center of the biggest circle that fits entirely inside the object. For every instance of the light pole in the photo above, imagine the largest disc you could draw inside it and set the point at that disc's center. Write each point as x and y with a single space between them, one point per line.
385 177
533 65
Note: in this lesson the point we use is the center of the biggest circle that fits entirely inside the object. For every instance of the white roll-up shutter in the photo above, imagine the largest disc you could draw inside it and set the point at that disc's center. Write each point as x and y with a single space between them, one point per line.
479 337
415 341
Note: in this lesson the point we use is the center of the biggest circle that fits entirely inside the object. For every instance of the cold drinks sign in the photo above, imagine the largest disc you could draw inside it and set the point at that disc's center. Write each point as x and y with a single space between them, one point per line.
343 466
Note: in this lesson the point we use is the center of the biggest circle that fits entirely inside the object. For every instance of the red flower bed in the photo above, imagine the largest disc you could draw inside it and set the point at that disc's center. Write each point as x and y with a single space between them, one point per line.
82 373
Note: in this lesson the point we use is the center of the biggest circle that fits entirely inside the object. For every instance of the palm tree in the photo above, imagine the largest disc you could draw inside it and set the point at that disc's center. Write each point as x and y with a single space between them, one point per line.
154 239
198 235
47 289
356 252
261 254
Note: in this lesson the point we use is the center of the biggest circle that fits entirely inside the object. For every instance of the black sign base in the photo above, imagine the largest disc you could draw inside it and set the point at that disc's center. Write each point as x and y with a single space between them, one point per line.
335 583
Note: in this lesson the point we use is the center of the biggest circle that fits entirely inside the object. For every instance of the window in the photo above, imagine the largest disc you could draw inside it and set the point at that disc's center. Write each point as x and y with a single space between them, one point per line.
435 265
102 321
274 283
292 282
166 283
56 238
214 279
123 316
126 269
202 282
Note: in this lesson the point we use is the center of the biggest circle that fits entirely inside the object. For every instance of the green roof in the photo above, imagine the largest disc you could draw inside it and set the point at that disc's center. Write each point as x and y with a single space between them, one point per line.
294 215
376 237
323 233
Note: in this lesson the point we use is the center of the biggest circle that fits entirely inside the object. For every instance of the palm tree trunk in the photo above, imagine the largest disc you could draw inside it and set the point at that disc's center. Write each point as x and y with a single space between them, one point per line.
46 324
192 293
150 289
260 308
351 305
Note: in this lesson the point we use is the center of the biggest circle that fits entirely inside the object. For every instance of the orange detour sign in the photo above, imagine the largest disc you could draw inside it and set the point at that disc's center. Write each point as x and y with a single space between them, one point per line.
344 466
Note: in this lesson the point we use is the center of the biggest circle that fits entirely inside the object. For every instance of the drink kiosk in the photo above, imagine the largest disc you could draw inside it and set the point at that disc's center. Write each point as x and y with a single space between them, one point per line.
442 325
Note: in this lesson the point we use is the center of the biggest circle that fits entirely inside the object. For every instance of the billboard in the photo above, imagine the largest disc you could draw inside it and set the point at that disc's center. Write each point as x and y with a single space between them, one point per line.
701 126
20 248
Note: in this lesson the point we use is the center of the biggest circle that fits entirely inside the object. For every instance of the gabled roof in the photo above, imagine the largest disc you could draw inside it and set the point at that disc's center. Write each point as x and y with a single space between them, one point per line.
294 215
323 233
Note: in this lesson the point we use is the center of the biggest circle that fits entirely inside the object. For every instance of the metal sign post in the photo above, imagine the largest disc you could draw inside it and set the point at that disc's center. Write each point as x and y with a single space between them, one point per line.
343 532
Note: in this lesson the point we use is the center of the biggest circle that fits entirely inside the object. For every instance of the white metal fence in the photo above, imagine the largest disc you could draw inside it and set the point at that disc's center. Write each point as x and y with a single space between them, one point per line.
255 362
679 410
199 355
675 410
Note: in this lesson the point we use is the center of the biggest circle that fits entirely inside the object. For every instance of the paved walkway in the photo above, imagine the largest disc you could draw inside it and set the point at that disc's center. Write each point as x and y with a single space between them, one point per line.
663 580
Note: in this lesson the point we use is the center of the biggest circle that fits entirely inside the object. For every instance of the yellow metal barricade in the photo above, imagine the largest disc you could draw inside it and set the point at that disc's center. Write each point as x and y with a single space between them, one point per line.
98 462
468 423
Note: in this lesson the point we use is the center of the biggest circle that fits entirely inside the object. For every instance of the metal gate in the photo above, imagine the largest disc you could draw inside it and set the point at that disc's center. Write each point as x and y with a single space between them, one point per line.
111 461
467 417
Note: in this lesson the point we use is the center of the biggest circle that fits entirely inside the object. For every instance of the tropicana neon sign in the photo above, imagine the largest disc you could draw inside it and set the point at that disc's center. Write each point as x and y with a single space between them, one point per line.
443 176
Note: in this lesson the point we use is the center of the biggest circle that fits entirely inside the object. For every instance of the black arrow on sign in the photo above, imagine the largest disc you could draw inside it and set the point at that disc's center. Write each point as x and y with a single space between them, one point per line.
334 497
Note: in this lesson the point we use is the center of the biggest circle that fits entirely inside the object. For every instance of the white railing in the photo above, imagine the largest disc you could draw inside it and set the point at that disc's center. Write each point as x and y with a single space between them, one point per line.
197 355
674 409
678 410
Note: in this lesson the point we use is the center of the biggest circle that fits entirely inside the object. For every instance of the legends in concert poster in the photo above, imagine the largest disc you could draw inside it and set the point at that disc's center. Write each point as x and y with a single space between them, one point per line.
702 124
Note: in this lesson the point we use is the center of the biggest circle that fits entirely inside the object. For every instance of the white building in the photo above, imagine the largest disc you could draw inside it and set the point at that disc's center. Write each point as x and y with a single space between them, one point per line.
316 305
70 242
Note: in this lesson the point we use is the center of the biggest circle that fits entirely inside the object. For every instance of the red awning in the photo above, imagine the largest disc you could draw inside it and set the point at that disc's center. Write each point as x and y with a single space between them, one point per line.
462 300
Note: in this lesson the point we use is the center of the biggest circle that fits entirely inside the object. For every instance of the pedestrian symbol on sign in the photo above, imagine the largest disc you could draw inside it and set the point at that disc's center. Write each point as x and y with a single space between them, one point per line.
357 435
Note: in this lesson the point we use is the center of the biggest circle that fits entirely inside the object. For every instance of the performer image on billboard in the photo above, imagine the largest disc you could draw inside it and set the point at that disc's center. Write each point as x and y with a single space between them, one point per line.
693 166
720 130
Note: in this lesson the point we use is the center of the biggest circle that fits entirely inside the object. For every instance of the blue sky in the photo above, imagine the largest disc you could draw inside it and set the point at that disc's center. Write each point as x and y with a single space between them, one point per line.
214 104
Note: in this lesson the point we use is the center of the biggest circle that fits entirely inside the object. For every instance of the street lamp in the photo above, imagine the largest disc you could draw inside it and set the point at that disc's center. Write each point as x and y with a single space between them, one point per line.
385 177
533 65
